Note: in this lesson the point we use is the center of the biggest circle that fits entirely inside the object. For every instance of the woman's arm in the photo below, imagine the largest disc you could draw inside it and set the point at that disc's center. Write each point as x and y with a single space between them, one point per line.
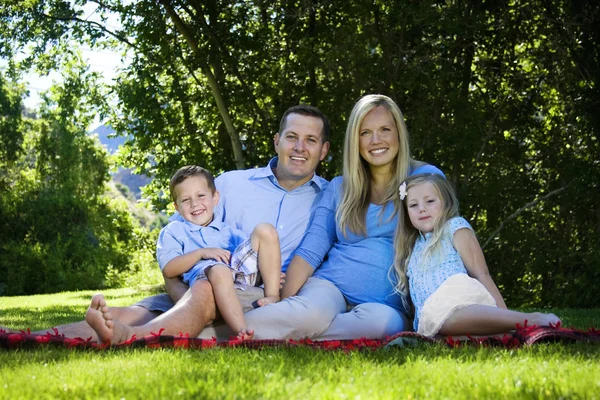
470 252
297 274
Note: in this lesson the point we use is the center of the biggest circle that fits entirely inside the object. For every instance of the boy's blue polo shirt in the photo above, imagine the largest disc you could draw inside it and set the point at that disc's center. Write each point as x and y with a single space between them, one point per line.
182 237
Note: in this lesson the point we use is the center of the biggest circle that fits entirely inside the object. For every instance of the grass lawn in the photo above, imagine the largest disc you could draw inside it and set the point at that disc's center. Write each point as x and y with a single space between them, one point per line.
570 371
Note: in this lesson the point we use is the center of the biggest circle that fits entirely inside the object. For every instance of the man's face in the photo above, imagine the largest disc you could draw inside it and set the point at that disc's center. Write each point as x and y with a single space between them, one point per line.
300 148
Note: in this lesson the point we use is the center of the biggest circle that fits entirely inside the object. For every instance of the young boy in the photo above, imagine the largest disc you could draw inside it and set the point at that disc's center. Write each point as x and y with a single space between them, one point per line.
201 248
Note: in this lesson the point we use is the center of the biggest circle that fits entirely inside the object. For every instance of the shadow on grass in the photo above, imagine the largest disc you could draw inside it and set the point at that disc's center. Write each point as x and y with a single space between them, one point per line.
48 313
42 318
133 292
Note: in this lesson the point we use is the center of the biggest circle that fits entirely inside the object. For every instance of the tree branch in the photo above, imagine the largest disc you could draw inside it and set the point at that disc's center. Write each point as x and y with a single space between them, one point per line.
91 23
519 211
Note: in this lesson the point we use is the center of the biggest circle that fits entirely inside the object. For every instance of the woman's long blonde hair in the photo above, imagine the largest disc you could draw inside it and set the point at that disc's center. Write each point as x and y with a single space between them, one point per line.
356 190
406 234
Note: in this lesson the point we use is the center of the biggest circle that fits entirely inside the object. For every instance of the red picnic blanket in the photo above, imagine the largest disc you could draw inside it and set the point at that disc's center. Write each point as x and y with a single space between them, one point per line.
523 335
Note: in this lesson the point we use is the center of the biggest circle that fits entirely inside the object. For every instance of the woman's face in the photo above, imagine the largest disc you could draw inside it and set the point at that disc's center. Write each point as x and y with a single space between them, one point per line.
378 138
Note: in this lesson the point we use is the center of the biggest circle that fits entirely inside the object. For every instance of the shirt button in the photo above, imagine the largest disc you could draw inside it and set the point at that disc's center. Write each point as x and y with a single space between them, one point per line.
280 226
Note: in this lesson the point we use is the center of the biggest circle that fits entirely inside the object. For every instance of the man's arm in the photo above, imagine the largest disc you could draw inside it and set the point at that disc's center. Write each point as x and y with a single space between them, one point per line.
296 276
470 252
175 288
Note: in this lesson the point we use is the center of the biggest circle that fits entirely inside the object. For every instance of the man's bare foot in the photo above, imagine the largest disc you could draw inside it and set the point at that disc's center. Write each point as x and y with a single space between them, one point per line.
108 329
541 319
267 300
246 334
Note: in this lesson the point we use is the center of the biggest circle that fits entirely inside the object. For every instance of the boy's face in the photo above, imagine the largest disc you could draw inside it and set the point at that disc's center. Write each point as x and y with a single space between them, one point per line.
195 202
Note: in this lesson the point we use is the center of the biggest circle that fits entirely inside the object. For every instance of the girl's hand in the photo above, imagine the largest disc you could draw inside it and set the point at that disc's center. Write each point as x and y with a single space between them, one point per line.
212 253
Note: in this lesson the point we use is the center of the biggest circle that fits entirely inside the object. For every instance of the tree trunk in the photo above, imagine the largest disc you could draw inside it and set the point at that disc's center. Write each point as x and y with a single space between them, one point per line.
234 136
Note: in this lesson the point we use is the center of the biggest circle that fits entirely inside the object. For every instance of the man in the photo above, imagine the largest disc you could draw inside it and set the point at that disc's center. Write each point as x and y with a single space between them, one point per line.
283 194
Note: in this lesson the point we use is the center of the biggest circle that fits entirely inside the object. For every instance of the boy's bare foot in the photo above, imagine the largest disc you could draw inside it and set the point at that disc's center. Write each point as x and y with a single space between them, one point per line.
541 319
107 329
267 300
247 334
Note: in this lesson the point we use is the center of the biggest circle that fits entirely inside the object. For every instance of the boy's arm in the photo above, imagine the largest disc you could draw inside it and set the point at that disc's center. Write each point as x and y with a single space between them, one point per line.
296 275
181 264
470 252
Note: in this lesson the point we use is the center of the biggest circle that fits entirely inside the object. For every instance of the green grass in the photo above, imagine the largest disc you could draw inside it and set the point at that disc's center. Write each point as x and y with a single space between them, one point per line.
570 371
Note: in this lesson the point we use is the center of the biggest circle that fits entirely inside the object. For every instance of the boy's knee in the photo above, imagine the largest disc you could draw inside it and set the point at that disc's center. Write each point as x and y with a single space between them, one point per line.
266 232
219 273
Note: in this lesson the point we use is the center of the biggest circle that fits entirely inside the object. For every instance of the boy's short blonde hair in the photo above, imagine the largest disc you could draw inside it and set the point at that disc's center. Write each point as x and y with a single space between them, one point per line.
188 171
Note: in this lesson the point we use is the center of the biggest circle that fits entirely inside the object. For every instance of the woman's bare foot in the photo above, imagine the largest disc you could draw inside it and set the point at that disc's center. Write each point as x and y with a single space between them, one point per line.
246 334
267 300
541 319
108 329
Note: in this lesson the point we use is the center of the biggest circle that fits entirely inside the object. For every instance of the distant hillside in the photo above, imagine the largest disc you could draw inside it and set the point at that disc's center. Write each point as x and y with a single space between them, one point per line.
123 176
111 143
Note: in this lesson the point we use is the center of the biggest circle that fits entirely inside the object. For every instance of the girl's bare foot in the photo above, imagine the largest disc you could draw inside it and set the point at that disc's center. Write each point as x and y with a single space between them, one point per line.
267 300
108 329
541 319
245 334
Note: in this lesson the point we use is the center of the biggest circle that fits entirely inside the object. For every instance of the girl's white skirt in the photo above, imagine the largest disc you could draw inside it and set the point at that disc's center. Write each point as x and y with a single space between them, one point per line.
458 291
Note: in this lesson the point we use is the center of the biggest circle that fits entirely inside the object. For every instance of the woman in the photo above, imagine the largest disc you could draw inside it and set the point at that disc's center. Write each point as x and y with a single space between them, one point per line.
344 261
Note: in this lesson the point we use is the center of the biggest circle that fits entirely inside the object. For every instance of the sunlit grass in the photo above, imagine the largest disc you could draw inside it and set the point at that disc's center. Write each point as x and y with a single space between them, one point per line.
550 370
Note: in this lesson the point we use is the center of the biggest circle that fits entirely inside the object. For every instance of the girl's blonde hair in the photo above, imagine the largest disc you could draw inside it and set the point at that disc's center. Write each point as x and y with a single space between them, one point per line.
356 190
406 234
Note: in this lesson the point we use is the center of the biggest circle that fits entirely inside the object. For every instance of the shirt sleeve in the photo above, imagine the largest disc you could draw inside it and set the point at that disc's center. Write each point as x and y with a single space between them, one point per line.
427 169
457 223
167 246
321 234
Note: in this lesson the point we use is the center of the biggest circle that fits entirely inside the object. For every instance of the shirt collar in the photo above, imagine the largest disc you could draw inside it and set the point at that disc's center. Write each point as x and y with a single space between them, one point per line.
425 236
267 172
216 225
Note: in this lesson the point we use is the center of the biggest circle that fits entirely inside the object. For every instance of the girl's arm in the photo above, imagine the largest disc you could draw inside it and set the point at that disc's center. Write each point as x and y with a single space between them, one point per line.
470 252
296 275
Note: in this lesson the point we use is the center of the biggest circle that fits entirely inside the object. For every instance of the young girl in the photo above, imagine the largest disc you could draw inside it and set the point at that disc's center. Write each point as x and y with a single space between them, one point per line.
439 258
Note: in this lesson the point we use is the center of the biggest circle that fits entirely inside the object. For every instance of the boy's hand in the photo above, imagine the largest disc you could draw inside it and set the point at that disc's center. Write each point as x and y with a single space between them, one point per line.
213 253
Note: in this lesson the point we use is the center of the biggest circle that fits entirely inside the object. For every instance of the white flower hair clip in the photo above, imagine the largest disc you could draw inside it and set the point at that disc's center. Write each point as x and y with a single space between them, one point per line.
402 191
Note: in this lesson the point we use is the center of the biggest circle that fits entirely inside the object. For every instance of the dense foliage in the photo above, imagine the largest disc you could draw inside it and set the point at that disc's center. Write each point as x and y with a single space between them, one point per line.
502 95
58 228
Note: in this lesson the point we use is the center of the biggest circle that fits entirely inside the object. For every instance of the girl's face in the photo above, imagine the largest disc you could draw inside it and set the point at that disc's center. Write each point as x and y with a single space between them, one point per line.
424 205
378 140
